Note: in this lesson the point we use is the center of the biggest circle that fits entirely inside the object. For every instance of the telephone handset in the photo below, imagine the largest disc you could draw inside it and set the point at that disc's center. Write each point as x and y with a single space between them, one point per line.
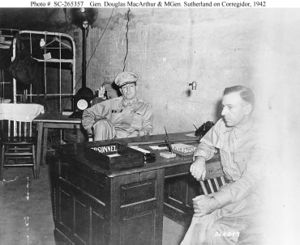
204 128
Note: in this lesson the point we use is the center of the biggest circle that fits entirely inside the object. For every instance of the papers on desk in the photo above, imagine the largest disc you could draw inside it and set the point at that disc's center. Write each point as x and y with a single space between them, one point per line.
135 147
158 148
167 154
179 148
191 135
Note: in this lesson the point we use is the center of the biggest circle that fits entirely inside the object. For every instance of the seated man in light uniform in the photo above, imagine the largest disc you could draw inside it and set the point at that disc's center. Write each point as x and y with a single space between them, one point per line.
121 117
230 216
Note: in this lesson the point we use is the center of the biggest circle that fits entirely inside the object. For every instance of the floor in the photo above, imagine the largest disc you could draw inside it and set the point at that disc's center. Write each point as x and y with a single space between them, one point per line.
26 216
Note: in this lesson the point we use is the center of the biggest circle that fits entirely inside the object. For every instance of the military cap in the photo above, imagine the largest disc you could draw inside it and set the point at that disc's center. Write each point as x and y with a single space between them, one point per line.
125 77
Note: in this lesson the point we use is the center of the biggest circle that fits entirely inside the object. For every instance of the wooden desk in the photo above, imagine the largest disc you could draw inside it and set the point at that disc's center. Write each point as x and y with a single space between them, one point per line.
92 205
51 120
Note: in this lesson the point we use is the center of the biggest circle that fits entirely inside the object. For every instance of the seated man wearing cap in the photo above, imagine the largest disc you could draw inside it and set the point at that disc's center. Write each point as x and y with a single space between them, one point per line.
121 117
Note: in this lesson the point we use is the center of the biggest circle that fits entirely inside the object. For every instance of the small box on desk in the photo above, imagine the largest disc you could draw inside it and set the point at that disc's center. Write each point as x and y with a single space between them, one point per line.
183 149
114 156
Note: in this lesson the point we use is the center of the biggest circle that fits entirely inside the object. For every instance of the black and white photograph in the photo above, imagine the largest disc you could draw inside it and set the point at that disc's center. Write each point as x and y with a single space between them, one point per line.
149 123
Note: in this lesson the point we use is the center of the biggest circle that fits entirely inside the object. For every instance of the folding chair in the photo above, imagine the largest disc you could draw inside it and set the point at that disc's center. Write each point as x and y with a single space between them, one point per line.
18 141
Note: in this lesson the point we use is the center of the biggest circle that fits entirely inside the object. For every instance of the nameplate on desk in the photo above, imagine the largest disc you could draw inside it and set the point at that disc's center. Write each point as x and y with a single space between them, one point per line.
135 147
114 156
105 149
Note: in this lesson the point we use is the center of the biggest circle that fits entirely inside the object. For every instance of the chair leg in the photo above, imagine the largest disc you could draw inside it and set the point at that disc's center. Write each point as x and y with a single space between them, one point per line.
36 167
2 162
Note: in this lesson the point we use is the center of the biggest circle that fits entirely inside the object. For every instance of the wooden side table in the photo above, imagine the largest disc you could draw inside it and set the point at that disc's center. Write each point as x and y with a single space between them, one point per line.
52 120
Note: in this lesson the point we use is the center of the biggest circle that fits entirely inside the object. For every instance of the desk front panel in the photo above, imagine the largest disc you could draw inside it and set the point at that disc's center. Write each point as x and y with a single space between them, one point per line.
80 202
90 208
97 206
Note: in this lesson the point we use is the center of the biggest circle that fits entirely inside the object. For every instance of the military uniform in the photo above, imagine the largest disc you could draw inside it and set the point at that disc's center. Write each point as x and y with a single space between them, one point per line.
240 200
119 117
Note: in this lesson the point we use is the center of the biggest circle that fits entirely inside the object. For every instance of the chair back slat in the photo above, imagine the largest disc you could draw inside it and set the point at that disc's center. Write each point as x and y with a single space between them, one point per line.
222 180
203 187
8 130
12 128
19 128
17 136
212 185
25 129
216 183
30 128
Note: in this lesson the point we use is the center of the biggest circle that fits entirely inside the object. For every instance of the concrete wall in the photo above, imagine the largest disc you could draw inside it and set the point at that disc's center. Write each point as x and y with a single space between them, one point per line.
170 48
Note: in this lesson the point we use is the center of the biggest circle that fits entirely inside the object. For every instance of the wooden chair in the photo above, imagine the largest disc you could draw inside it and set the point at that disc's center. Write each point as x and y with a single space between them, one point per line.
18 137
214 179
17 146
211 185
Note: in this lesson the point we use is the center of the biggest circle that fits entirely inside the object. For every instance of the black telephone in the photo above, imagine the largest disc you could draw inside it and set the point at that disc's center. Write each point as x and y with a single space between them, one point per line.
204 128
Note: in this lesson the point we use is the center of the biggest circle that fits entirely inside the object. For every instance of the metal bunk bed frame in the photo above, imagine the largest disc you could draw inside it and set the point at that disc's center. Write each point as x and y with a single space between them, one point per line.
48 35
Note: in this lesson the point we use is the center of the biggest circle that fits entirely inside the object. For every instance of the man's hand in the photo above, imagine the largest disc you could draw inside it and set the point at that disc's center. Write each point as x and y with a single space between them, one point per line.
204 205
198 169
101 92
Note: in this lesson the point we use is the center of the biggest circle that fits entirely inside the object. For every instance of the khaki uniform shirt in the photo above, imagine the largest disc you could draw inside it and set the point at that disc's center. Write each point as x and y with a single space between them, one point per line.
240 201
126 116
241 157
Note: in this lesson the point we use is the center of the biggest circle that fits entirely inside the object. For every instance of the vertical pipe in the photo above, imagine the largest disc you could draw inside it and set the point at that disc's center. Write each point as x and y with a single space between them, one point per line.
2 85
30 86
45 67
60 83
83 57
14 80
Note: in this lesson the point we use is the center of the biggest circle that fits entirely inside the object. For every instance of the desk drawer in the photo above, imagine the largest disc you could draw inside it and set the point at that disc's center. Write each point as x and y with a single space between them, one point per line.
137 192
